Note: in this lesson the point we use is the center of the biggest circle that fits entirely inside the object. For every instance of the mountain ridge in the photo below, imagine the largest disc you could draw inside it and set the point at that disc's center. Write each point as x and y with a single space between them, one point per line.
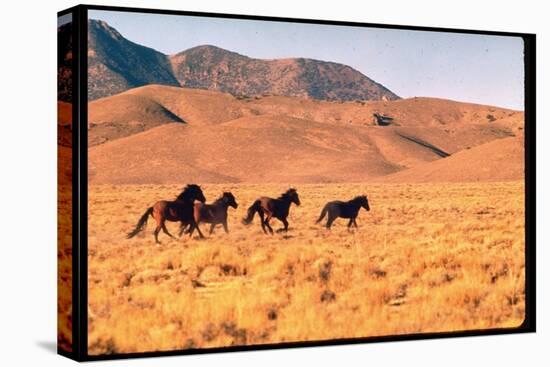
117 64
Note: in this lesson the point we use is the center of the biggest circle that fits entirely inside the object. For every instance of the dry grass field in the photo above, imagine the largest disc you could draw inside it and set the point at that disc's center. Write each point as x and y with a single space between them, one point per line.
64 227
426 258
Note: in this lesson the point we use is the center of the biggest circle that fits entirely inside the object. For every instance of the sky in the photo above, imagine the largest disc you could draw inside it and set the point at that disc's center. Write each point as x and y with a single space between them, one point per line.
64 19
464 67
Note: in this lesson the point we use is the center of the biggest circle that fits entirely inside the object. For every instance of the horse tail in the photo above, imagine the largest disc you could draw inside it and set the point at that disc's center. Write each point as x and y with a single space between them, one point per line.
256 207
141 223
323 213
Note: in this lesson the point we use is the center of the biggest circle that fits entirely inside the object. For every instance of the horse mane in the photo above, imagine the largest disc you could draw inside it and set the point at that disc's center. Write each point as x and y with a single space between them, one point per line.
220 199
186 190
358 198
288 193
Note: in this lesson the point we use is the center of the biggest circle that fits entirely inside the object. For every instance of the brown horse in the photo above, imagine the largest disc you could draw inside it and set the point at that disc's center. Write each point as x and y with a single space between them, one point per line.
180 210
270 208
344 209
215 213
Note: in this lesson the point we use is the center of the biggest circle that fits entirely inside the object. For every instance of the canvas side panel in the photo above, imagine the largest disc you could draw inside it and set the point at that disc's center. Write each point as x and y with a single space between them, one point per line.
64 182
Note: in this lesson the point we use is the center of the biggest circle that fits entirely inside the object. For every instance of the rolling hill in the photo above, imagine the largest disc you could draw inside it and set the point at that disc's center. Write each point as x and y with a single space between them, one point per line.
162 134
499 160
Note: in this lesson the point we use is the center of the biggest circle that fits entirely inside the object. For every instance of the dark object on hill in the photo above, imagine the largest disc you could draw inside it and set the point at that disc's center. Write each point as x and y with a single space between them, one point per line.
382 120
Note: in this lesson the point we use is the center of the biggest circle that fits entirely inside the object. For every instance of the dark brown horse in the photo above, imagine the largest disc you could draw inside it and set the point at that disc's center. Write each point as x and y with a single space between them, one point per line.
344 209
215 213
179 210
268 208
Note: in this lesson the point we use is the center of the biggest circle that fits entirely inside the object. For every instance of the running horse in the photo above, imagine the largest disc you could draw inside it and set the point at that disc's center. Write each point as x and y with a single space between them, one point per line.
344 209
215 213
179 210
268 208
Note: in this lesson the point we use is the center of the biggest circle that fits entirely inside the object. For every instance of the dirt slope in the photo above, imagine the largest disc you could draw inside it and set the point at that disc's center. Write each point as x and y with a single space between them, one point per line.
250 149
163 134
498 160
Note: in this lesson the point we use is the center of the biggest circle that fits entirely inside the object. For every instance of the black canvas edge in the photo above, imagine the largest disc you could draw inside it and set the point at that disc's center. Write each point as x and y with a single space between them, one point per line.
81 335
80 275
79 184
67 11
530 98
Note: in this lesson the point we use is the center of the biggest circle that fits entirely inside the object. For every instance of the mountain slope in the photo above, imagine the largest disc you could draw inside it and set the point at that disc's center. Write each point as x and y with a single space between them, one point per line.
306 78
64 62
117 64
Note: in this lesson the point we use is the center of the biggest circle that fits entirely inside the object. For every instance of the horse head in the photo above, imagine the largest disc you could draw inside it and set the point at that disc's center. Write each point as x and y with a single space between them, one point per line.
230 200
365 202
191 193
293 196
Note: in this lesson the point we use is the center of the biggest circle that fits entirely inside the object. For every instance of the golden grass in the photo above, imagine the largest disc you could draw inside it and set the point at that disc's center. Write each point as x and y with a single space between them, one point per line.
64 269
64 248
426 258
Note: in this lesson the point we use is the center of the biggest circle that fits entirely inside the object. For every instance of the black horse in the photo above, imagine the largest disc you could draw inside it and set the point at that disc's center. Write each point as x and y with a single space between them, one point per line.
268 208
179 210
215 213
344 209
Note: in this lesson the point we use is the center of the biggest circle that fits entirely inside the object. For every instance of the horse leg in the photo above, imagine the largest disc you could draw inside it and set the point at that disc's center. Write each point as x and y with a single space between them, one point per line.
200 233
354 222
165 230
350 223
159 221
262 221
330 220
191 229
182 228
196 226
267 223
225 226
212 226
285 223
156 233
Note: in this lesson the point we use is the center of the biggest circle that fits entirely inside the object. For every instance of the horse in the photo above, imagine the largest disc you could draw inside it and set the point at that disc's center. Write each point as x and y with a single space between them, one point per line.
179 210
270 208
215 213
344 209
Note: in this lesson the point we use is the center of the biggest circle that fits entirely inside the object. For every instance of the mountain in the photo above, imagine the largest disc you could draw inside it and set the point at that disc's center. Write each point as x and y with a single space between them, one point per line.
64 62
162 134
117 64
230 72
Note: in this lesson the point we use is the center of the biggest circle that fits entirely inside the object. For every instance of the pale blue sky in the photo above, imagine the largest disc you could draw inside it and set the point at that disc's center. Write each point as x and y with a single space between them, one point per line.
464 67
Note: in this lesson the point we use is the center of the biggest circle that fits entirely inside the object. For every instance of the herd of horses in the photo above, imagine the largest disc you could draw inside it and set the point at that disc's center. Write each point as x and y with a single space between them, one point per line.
190 209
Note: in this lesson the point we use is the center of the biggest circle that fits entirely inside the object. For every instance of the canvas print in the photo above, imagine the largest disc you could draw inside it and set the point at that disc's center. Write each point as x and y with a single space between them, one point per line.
64 182
256 182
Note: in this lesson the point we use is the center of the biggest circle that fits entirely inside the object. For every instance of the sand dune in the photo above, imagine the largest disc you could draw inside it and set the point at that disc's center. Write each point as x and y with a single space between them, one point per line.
163 134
